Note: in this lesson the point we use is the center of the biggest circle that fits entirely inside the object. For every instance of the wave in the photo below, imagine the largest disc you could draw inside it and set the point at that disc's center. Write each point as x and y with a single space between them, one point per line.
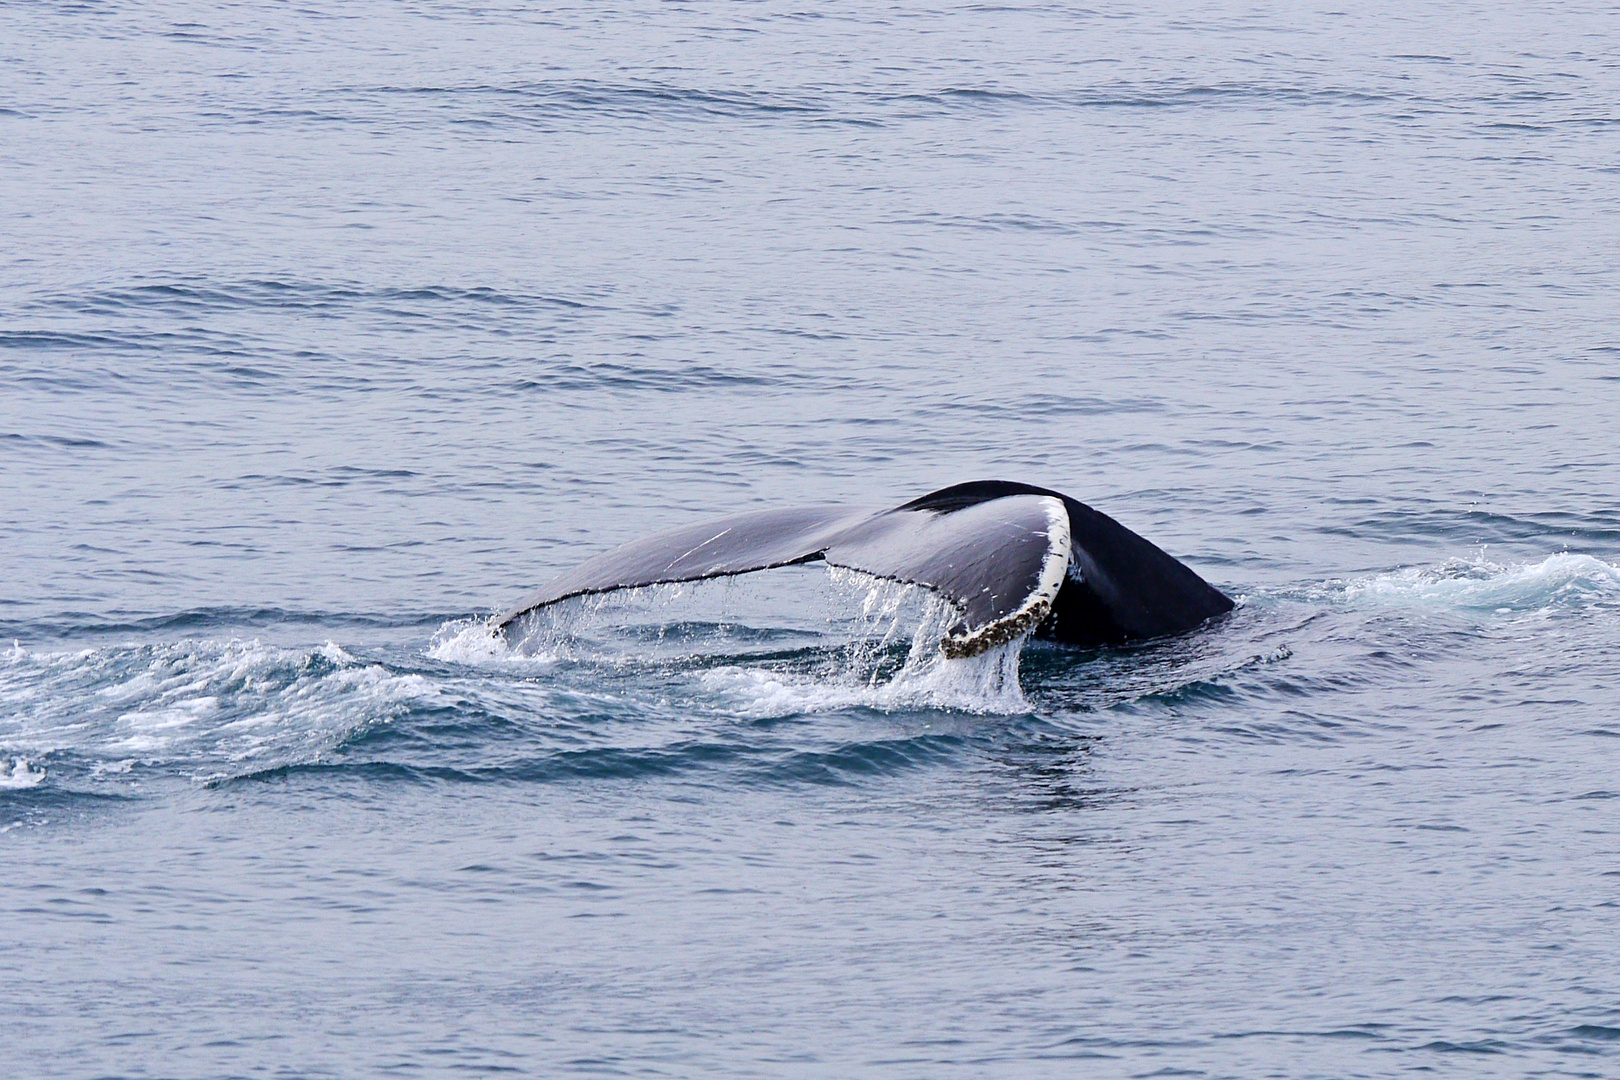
558 104
206 705
1565 582
195 295
665 697
217 619
735 758
1421 523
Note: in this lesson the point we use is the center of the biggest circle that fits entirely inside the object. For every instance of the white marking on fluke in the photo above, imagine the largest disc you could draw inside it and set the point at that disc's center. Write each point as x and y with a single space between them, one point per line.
700 547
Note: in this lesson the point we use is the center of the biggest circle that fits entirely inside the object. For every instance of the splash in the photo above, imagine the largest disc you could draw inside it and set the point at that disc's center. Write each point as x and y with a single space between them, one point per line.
869 669
876 644
987 683
476 641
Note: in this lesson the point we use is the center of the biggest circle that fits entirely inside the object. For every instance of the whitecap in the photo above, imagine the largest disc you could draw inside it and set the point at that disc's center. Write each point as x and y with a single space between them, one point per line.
18 773
1565 581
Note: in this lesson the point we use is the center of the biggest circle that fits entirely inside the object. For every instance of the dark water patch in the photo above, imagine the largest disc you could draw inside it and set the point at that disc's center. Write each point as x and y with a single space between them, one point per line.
373 474
331 776
337 477
1162 95
471 745
550 105
1479 1046
159 350
52 340
970 96
1031 406
1294 726
58 798
1207 666
56 442
72 625
1051 765
857 762
1598 528
594 763
1358 1032
200 297
1583 1038
627 377
460 731
543 103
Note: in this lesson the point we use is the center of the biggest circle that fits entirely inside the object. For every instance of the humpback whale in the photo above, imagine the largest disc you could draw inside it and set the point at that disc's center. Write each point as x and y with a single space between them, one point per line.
1013 559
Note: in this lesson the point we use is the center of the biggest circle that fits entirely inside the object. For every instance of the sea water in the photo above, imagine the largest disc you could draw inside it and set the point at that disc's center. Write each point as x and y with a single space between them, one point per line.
328 329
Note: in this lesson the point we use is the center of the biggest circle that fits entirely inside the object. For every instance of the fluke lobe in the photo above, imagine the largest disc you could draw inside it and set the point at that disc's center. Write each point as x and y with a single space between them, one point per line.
1014 559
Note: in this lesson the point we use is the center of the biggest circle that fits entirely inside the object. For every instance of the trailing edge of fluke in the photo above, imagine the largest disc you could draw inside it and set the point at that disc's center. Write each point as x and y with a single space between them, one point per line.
1014 559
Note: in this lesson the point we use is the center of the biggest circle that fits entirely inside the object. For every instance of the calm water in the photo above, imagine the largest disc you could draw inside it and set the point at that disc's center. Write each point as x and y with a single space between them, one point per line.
326 329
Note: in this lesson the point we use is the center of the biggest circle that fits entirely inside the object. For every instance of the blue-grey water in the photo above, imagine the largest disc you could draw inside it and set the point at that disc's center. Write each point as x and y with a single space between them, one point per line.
327 329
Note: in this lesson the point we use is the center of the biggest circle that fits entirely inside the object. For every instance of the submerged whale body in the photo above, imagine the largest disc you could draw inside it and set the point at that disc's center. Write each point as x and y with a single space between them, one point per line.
1014 559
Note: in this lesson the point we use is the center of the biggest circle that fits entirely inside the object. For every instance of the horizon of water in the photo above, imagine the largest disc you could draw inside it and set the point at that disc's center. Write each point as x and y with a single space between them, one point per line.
326 331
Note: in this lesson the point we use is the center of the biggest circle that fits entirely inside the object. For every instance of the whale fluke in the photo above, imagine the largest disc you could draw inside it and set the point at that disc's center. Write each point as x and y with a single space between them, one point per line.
1014 559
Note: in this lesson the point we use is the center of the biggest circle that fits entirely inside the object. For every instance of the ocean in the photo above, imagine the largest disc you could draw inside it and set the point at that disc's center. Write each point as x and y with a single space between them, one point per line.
326 330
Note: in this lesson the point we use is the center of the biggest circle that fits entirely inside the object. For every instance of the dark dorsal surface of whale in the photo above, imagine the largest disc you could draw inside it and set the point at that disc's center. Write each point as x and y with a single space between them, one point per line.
1013 559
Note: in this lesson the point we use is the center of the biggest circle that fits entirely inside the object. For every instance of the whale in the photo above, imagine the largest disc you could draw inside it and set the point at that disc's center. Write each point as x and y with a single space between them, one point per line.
1013 559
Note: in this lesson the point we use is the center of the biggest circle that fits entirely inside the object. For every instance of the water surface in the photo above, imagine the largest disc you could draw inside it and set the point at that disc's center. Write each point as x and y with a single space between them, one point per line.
325 331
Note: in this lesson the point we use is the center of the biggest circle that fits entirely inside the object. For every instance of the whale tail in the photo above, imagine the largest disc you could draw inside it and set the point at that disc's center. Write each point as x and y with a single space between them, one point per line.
1014 559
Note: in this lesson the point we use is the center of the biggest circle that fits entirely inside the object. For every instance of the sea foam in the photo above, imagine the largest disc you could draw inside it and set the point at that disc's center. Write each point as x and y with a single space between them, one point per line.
18 773
1560 582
